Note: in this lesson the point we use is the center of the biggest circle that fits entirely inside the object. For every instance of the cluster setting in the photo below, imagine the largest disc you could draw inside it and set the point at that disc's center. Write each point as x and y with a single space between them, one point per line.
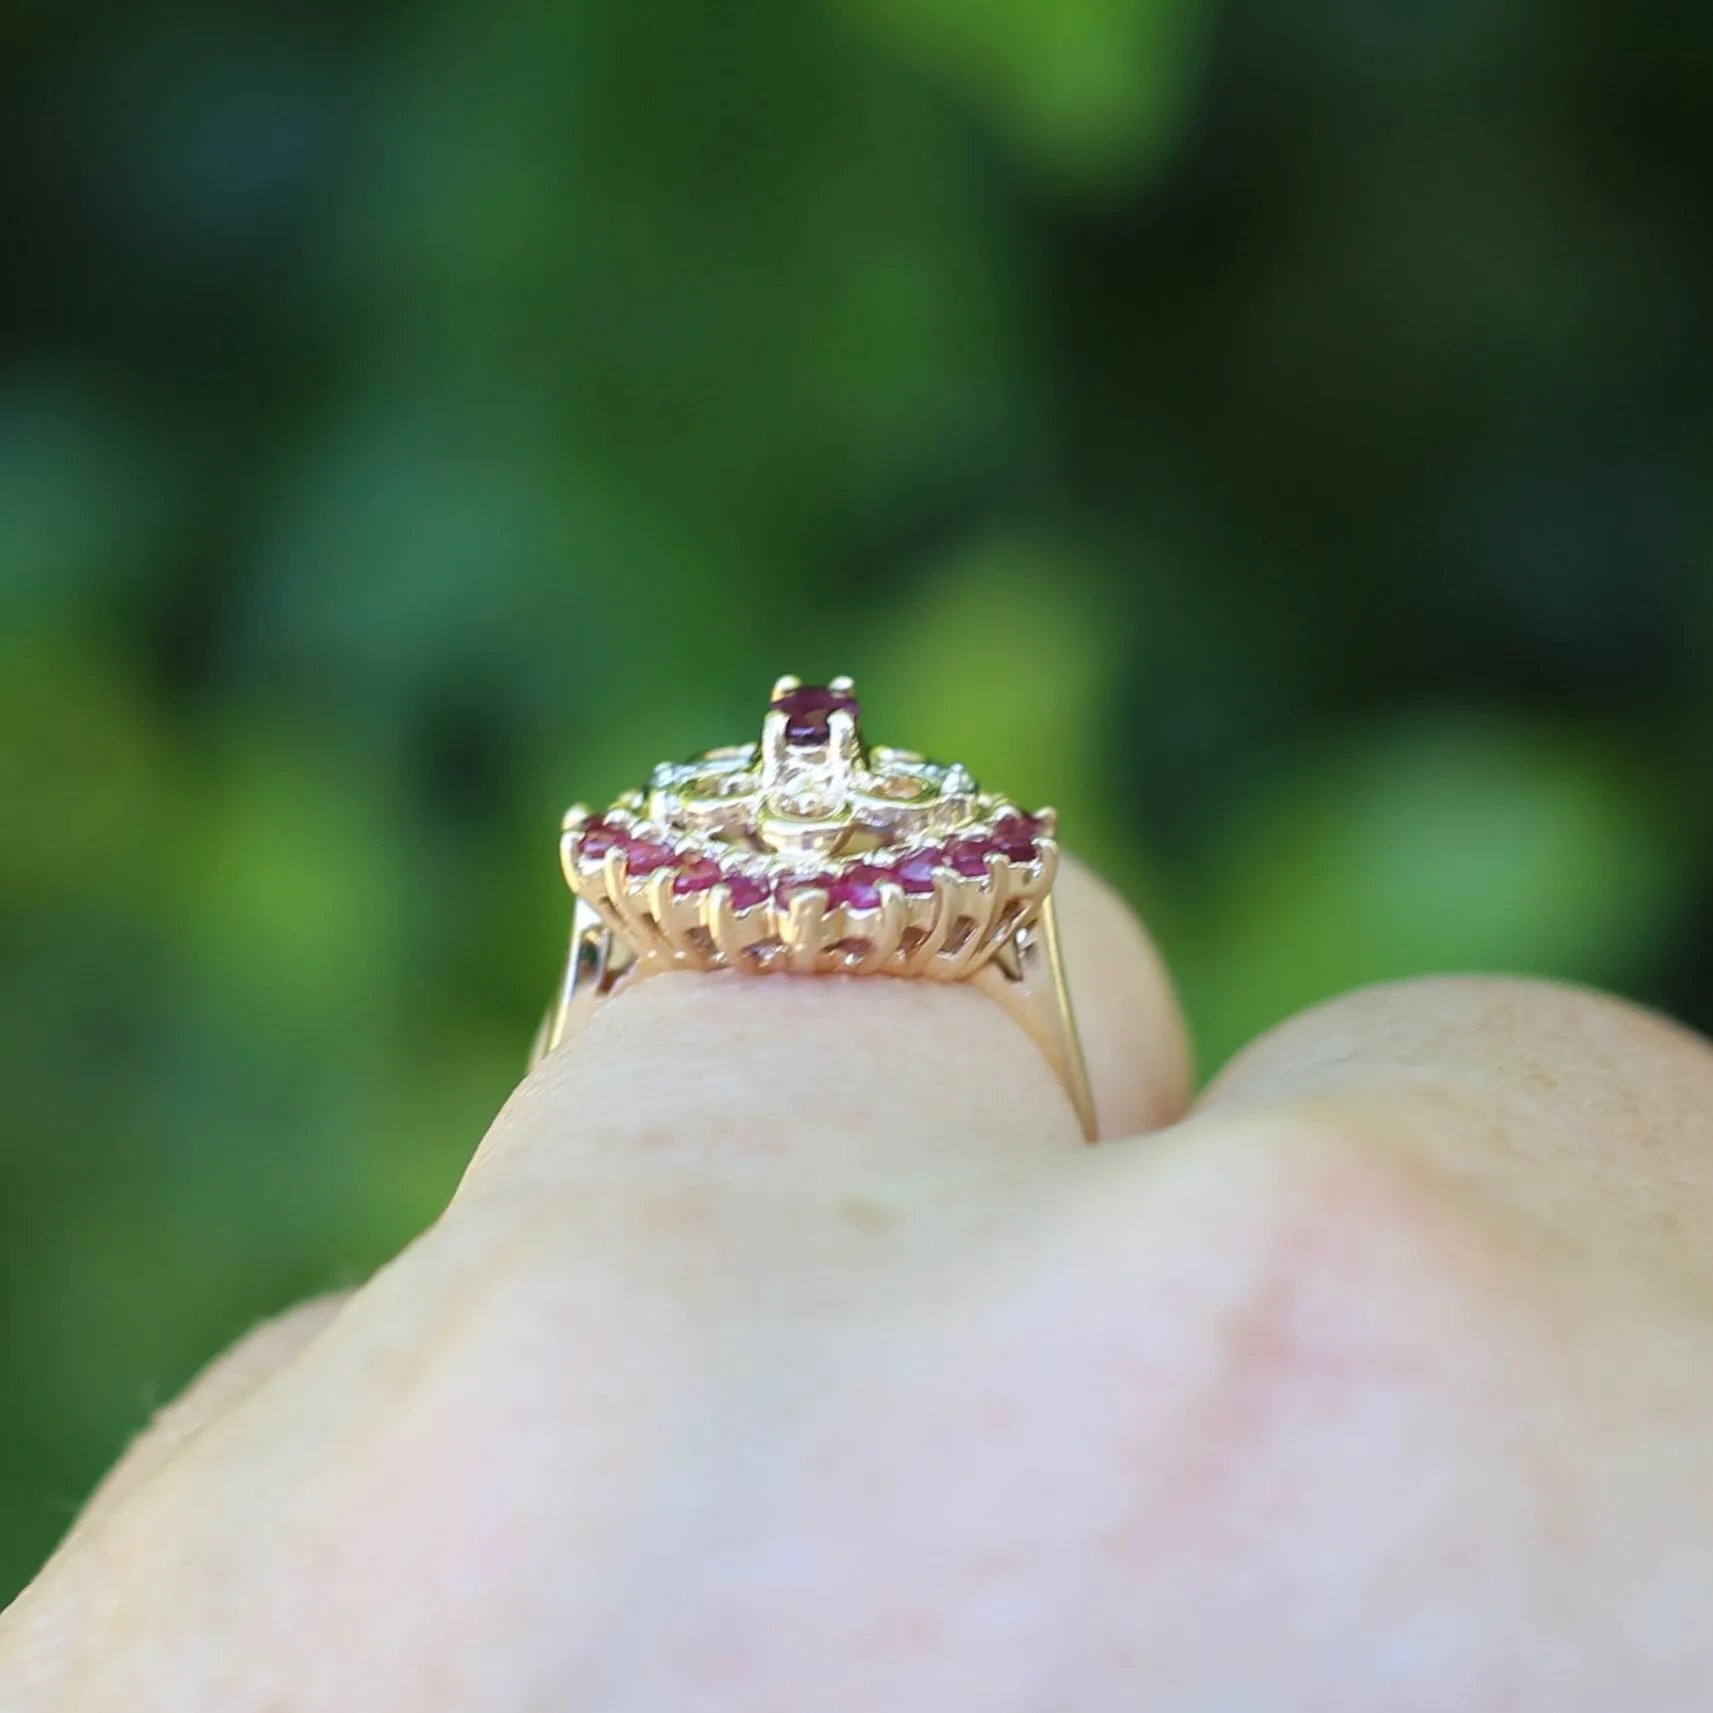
810 852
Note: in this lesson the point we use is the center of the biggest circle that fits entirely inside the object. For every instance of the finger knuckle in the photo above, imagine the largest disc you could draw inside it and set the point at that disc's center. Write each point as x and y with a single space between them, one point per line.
1307 1311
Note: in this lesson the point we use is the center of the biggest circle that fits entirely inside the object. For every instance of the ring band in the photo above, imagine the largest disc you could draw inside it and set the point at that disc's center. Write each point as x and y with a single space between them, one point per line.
809 853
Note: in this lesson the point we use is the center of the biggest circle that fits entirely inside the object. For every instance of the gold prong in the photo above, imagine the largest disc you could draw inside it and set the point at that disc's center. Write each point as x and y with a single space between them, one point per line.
1048 820
802 928
983 896
1007 883
614 918
842 739
613 871
921 910
720 918
1033 882
1049 861
657 889
894 916
674 913
576 817
947 885
628 901
843 685
568 858
785 685
638 906
774 749
887 930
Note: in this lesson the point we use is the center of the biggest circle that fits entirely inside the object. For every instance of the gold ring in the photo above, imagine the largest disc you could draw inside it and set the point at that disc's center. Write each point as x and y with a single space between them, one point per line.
811 853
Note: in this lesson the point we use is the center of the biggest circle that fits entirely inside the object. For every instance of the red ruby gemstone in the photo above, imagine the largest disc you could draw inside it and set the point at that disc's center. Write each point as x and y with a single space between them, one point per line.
792 884
858 887
915 872
697 874
597 838
644 856
969 857
809 710
1014 837
747 891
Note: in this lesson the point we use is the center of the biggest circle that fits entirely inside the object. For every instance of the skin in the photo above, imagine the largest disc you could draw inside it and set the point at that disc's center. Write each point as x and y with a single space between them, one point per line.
785 1348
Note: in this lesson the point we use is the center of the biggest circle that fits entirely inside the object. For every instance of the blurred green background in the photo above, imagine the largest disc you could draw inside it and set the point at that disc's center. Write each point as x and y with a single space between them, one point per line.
1279 434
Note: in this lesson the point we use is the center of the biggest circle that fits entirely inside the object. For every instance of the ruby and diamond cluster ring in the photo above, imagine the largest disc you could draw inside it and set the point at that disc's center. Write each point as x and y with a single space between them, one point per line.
810 853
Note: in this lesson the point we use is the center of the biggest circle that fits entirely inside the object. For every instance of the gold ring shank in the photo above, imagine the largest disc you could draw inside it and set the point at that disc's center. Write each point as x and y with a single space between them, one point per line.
1039 1002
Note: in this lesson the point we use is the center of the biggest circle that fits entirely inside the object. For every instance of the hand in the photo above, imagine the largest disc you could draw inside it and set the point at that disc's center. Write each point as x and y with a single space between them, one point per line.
785 1349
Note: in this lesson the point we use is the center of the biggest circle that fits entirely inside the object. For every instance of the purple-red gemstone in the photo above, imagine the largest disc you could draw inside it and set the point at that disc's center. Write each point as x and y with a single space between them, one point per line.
747 891
788 888
1015 836
915 872
697 874
644 856
858 888
597 838
808 712
969 857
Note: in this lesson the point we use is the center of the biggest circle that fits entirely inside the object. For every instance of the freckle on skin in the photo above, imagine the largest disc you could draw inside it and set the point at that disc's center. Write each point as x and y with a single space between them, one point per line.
868 1213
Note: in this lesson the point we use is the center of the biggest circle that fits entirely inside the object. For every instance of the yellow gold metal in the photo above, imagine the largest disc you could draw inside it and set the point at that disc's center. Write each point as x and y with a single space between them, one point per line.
809 854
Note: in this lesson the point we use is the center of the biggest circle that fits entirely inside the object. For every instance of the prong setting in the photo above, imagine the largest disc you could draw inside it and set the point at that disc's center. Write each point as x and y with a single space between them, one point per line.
812 853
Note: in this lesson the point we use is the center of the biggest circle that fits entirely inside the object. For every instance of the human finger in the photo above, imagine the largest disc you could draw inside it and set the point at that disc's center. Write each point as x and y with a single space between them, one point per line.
731 1069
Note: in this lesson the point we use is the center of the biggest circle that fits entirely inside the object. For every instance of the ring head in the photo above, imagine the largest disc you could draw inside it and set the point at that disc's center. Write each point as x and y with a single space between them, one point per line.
810 852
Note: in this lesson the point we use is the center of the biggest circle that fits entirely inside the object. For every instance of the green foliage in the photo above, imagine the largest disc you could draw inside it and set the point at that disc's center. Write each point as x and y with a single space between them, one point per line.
1273 435
1084 89
1470 843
